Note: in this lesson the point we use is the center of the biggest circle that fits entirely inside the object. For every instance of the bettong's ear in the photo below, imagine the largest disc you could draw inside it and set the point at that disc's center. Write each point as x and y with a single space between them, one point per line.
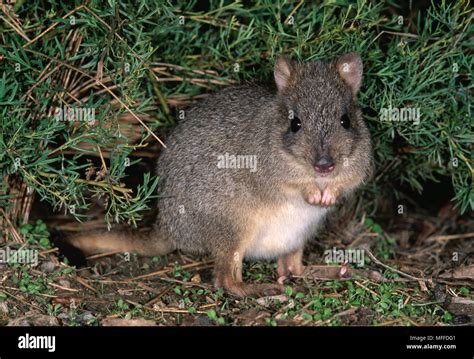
350 68
284 68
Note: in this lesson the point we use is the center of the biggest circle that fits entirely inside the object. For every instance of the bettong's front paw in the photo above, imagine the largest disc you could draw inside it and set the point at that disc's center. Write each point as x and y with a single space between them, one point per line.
328 197
313 196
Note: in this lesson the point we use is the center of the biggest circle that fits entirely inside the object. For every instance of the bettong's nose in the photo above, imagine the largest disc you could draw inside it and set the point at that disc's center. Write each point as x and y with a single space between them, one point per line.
324 165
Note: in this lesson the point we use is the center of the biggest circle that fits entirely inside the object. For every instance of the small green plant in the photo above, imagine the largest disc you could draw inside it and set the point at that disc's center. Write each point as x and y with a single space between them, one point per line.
121 305
29 283
271 322
36 233
447 317
212 314
54 309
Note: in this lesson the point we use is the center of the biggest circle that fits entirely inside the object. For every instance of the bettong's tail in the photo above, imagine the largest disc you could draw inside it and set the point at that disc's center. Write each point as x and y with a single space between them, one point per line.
146 244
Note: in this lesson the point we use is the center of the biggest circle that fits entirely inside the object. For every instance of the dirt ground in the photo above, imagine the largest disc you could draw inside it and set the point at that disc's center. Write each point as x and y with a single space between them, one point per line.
420 272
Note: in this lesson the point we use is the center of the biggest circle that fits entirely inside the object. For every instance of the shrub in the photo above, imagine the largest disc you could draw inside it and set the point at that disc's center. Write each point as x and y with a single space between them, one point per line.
135 64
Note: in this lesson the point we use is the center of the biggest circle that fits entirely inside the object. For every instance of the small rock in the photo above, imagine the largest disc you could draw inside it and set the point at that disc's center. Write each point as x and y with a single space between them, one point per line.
86 317
63 316
64 283
47 267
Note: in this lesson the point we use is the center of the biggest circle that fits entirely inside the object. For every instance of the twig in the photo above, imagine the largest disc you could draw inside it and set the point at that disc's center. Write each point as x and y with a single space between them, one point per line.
100 255
105 88
164 310
451 236
458 37
52 26
14 232
13 25
31 305
376 261
63 288
293 12
94 183
368 289
164 271
84 283
159 295
413 36
47 251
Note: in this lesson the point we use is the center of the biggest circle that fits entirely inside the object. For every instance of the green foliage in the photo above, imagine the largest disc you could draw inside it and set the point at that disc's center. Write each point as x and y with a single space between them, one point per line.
49 154
37 234
419 62
212 314
29 283
391 301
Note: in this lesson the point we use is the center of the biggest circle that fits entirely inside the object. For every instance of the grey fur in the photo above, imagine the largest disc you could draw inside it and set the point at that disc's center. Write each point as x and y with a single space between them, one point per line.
251 120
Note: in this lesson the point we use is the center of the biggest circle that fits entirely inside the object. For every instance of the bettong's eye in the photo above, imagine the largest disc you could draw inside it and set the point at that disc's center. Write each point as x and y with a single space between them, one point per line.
345 121
295 123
